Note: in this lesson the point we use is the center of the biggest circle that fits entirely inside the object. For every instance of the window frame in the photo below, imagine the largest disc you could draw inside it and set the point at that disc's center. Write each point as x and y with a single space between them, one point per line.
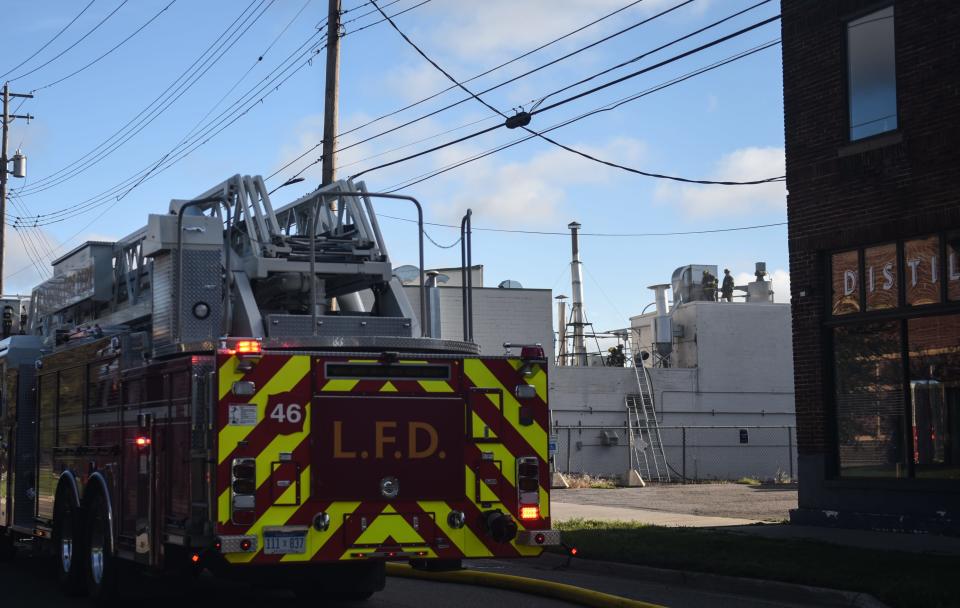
902 314
845 73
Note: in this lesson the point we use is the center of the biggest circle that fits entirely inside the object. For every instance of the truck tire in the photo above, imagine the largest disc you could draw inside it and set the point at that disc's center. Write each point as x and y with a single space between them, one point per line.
67 545
101 570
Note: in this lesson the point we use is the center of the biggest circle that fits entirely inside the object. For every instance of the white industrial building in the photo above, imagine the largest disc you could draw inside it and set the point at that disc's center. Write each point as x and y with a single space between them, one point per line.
720 375
721 378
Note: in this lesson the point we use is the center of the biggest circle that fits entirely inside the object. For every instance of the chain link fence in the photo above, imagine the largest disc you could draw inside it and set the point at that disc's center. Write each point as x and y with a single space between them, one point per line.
693 453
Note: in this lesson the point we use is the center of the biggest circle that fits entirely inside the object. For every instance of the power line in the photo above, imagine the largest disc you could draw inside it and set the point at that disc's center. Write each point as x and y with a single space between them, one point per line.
626 77
140 175
145 174
154 107
99 200
491 70
259 59
112 49
553 141
66 50
589 92
48 42
513 79
637 58
596 234
605 108
369 25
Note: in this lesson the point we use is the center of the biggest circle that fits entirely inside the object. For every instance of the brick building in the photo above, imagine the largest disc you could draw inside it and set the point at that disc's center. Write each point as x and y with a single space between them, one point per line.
872 119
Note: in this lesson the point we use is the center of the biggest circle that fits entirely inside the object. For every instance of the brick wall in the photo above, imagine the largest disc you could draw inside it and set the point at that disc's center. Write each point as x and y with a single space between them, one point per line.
841 194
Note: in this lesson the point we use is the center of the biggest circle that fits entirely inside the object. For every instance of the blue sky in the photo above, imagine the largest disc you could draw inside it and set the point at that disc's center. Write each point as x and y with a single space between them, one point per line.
726 124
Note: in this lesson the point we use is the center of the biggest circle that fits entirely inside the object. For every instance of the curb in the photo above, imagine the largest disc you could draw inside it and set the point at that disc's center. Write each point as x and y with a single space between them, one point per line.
763 589
534 586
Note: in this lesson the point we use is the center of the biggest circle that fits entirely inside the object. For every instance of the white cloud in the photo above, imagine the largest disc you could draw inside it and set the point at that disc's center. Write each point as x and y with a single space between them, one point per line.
498 27
532 191
745 164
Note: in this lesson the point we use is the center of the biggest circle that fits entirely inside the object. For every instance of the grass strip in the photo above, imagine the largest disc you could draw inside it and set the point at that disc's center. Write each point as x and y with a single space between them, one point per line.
900 579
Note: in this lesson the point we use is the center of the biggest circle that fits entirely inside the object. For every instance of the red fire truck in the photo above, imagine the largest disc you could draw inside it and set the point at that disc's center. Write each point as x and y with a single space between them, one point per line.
249 391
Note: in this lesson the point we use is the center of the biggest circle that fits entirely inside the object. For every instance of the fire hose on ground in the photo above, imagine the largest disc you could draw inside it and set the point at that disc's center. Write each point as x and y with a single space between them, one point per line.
533 586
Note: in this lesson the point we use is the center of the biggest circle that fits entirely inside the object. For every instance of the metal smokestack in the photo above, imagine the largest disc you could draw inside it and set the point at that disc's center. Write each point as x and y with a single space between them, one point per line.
576 279
561 329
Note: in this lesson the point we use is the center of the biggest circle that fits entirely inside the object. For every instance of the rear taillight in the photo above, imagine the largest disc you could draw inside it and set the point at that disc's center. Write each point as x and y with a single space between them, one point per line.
243 489
528 487
528 513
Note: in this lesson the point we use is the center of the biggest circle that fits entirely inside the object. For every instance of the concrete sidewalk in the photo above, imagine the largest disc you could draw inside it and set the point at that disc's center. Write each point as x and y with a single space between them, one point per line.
561 511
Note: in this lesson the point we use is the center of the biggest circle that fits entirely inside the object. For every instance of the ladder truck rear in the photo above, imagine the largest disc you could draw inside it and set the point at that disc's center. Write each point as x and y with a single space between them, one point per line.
248 390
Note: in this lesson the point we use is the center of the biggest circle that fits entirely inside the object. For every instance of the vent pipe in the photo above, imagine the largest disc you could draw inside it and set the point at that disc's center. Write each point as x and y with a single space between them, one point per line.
561 329
576 278
662 324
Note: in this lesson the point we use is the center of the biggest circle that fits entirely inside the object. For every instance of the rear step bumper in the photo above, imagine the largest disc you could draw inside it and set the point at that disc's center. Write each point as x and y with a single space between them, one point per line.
539 538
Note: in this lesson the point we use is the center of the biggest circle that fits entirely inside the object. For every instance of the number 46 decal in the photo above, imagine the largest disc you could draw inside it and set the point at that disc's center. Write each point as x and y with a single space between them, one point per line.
290 412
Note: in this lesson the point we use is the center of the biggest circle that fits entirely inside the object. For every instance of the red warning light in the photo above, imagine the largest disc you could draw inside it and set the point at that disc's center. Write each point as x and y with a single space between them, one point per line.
195 558
573 550
142 441
245 544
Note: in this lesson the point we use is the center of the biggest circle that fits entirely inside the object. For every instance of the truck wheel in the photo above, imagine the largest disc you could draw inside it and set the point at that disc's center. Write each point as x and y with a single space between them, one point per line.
101 571
67 545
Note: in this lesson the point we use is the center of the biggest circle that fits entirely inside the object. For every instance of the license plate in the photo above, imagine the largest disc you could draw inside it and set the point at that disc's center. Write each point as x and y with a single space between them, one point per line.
282 543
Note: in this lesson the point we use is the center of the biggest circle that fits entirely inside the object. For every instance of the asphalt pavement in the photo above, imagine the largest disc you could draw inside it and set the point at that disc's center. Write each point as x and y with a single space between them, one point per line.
28 582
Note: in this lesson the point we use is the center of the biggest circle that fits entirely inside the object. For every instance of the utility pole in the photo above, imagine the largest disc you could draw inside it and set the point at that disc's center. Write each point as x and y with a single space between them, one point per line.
7 117
330 99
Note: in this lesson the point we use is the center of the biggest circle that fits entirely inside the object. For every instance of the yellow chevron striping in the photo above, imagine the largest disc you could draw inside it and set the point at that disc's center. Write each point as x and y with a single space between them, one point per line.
223 506
283 443
388 387
284 380
477 426
340 386
464 538
274 516
388 523
435 386
228 374
317 539
484 378
538 379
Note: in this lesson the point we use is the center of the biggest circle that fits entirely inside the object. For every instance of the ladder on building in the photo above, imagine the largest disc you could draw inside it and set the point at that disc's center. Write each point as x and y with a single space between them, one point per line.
644 428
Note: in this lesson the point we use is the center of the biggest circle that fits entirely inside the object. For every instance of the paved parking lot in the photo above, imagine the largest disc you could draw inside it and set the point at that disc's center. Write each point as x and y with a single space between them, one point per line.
758 503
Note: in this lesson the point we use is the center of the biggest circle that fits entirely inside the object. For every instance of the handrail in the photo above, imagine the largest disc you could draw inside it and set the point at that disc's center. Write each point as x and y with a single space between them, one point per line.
361 194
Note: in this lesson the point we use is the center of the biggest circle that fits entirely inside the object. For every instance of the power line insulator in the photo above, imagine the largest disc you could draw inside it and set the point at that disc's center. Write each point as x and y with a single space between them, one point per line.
520 119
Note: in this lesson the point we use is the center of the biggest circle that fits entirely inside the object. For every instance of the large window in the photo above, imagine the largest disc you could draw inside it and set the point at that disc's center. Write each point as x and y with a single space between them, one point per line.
871 74
869 399
935 395
896 358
